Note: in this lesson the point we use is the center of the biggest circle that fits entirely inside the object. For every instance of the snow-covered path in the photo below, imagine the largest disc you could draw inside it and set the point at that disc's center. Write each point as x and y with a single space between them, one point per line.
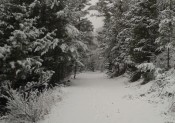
93 98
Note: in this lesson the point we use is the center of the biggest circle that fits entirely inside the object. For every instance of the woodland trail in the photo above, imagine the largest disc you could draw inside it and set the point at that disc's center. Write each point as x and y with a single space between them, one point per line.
93 98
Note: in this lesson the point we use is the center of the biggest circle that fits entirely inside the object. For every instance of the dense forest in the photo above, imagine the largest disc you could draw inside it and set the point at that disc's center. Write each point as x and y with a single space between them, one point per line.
45 42
138 37
42 43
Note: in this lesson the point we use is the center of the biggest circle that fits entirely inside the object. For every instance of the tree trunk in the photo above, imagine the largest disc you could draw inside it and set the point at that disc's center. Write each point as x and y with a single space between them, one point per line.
171 34
75 70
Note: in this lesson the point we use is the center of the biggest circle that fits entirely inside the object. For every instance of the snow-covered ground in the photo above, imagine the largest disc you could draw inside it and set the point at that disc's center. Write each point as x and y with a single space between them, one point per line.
93 98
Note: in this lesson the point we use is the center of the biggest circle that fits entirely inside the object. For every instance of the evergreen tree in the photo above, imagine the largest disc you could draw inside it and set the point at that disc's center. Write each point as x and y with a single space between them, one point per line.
36 37
165 41
116 35
40 40
144 23
130 32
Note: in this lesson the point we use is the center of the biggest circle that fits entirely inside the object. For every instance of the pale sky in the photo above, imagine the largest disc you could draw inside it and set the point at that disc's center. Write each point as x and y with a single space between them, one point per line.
96 21
93 2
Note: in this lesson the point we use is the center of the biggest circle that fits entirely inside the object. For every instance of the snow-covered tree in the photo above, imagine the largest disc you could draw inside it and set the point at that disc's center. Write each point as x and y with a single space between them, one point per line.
129 34
144 23
165 40
40 41
115 34
37 36
23 64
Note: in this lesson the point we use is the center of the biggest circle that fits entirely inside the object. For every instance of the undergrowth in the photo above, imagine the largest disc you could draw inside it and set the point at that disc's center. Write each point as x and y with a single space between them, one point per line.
31 107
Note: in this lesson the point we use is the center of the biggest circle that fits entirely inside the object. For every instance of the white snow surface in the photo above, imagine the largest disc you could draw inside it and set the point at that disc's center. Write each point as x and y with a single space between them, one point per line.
94 98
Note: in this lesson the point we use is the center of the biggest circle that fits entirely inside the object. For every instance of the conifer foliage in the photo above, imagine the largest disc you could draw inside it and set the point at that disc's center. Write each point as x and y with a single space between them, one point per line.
40 42
137 33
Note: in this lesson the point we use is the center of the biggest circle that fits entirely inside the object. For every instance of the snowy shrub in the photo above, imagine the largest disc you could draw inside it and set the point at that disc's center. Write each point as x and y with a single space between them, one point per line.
148 70
158 73
32 106
164 84
145 67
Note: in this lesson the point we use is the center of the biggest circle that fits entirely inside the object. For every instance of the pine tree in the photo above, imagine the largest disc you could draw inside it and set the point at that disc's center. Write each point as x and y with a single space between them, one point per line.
39 36
144 21
22 64
116 35
165 40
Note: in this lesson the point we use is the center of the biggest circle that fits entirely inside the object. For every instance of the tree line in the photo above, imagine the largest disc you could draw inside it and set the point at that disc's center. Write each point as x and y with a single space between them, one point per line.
138 37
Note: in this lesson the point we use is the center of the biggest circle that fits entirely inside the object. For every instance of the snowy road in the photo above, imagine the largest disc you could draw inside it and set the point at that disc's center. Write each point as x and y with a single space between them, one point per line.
93 98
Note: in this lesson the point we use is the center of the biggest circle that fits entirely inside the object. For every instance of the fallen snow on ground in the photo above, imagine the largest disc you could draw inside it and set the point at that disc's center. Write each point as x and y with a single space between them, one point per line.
94 98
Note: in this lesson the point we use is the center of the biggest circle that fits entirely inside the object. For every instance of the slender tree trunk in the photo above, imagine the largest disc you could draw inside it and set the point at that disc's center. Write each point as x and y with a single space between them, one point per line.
75 68
171 34
168 59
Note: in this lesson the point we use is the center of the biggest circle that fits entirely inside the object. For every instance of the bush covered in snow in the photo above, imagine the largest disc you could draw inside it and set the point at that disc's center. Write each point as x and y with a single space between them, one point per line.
148 71
32 106
146 67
